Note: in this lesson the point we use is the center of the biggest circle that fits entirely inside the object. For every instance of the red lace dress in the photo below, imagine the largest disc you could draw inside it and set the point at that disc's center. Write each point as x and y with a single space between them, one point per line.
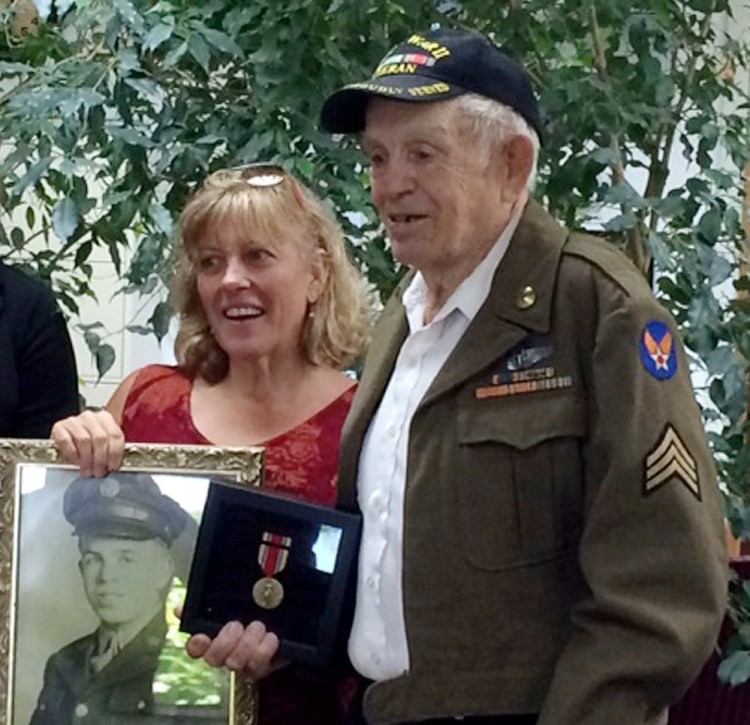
302 462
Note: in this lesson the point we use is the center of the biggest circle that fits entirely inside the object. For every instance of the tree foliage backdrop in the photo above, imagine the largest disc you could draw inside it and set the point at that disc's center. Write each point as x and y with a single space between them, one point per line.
111 111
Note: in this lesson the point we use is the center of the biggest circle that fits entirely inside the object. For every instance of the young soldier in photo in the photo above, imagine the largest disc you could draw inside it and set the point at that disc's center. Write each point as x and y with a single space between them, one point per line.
125 528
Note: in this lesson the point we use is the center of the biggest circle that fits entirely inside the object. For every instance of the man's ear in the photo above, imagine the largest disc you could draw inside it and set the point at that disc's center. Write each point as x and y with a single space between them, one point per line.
518 161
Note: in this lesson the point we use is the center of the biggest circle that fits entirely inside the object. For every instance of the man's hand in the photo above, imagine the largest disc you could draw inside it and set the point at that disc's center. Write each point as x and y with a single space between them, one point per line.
92 440
247 650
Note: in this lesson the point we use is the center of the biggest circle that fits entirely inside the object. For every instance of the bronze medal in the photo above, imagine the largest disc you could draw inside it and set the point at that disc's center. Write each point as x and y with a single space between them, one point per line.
268 592
273 554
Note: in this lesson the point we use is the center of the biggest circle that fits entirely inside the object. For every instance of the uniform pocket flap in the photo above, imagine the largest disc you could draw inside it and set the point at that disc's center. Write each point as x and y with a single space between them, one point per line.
522 421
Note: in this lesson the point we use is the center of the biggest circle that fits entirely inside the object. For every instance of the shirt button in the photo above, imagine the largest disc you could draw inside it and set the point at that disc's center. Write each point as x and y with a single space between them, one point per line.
81 710
370 582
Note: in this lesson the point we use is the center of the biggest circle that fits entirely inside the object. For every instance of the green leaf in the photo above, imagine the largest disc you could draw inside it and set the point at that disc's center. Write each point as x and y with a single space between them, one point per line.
17 238
65 218
173 57
132 137
162 218
146 88
157 35
31 177
11 69
709 226
105 358
129 15
160 319
606 156
221 41
720 270
671 206
621 222
200 51
735 669
623 194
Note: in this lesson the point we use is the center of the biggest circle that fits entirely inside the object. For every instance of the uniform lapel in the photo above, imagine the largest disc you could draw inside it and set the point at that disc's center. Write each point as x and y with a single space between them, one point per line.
388 337
528 269
138 657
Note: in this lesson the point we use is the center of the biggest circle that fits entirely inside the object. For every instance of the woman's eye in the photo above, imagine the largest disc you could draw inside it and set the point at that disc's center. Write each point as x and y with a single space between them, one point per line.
208 264
258 254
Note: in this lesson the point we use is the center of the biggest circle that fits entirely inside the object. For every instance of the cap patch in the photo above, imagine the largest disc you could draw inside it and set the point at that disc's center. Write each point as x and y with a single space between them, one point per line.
658 351
670 459
403 63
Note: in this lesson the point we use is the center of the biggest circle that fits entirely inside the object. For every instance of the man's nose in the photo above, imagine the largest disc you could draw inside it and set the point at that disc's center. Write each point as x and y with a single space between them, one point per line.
395 179
107 571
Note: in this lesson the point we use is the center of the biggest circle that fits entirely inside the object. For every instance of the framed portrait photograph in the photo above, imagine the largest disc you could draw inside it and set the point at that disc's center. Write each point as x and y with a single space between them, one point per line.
91 571
287 563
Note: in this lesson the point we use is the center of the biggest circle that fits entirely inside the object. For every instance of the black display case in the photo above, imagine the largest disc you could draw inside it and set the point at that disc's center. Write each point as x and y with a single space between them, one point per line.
268 557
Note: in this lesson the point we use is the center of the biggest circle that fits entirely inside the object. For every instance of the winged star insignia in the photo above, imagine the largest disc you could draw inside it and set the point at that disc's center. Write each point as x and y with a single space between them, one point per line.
658 351
670 459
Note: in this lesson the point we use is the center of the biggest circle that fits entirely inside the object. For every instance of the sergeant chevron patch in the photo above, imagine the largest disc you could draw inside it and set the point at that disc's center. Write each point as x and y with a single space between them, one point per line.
669 459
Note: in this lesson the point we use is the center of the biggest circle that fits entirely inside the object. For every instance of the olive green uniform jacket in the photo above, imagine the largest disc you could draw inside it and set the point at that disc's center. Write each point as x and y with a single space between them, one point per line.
563 543
120 694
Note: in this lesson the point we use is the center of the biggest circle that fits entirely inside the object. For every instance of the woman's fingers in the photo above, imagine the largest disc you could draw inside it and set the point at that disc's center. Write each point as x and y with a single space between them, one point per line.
198 645
92 440
250 650
254 653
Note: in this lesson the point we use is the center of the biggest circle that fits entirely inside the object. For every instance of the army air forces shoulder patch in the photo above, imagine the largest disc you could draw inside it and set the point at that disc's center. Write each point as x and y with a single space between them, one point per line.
670 459
658 350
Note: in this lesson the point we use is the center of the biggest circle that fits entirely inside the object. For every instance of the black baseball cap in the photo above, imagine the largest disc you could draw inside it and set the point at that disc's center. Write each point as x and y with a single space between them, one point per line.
435 66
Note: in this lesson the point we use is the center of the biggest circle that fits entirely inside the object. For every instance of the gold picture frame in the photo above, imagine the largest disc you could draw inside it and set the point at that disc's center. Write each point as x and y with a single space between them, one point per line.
22 462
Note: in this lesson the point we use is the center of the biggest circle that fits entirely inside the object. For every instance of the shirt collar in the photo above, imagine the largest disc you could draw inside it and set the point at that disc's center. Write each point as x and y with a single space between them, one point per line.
471 294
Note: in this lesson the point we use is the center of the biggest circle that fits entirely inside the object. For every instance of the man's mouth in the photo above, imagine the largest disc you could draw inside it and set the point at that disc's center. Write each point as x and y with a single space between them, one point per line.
397 219
108 597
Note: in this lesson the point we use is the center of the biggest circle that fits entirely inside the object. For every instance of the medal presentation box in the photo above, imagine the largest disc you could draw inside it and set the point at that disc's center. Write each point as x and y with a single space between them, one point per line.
264 556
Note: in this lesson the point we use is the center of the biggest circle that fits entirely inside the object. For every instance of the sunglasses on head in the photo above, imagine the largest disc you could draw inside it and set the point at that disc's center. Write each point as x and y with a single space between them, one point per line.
265 175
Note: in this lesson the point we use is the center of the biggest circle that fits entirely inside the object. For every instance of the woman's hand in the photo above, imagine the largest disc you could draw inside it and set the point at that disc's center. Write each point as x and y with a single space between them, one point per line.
247 650
92 440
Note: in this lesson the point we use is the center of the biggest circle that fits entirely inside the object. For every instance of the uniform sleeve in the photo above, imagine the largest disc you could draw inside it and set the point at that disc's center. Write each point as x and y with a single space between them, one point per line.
47 377
652 552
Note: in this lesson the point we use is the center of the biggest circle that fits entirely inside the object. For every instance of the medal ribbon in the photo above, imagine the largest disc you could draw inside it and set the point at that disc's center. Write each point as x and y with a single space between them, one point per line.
273 553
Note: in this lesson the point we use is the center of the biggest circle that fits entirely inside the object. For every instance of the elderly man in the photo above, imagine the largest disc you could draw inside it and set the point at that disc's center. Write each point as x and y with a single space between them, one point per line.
542 527
125 528
543 538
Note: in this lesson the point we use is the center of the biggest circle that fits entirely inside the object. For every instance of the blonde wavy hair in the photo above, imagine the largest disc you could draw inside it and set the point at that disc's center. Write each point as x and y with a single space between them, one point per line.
335 334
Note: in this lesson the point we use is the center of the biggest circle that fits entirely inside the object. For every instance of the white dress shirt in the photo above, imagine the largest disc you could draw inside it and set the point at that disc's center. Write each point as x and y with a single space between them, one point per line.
378 646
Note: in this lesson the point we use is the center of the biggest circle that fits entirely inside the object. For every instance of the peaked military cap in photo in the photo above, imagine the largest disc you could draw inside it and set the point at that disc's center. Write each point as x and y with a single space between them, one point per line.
128 505
435 66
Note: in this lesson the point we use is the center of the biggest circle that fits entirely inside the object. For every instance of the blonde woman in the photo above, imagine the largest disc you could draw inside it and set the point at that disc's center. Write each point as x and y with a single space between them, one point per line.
271 312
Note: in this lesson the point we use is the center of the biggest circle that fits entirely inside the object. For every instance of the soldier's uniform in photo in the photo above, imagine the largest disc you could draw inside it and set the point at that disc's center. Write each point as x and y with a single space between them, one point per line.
90 680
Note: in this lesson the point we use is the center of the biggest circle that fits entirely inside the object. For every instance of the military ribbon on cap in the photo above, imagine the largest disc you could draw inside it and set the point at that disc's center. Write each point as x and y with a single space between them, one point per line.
668 459
273 555
658 351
